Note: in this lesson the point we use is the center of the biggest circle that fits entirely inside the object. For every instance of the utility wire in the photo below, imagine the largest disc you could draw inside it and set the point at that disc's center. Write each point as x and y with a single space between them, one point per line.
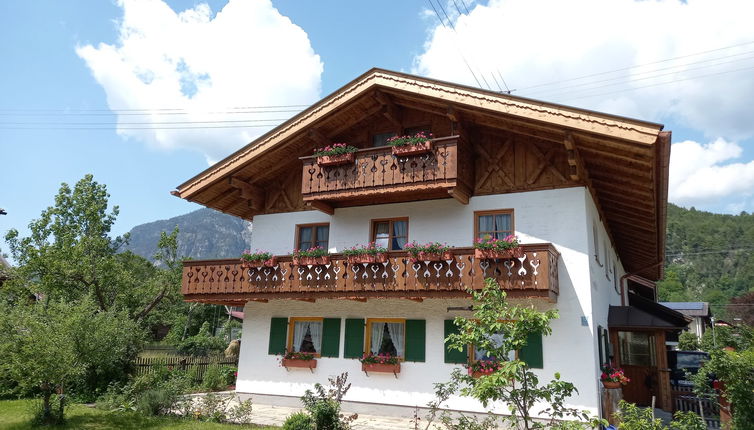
633 67
719 251
145 123
139 128
66 110
150 113
459 49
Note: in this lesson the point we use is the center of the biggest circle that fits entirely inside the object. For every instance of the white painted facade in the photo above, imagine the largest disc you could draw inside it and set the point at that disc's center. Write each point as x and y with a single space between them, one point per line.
563 217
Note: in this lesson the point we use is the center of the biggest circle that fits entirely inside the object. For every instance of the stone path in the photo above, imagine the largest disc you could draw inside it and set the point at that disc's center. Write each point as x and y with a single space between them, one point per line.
275 415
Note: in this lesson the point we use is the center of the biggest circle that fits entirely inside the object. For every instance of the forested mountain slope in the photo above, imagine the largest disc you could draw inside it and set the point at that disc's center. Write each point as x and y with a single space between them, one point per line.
710 256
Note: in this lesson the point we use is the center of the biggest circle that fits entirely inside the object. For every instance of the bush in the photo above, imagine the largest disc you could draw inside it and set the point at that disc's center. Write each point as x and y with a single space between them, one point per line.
687 421
324 406
158 401
299 421
203 343
215 378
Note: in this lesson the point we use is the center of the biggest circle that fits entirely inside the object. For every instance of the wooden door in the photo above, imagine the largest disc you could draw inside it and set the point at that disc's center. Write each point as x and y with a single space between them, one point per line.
638 357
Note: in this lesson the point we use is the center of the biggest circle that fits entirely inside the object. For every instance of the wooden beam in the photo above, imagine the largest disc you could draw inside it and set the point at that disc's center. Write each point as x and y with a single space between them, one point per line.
259 300
357 299
305 299
461 193
415 299
577 170
389 109
318 137
453 114
252 193
321 206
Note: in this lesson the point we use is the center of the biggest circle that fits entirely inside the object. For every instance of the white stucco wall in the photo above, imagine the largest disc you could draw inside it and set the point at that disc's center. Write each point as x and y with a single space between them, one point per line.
557 216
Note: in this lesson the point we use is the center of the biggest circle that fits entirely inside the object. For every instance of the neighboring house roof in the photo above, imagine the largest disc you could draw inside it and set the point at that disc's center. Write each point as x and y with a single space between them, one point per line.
692 309
623 161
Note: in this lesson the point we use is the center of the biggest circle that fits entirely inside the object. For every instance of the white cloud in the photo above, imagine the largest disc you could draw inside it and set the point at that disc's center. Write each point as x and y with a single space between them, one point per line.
537 42
698 174
247 55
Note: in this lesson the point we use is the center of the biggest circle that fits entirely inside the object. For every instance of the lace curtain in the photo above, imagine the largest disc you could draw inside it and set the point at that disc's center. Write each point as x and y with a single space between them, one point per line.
396 334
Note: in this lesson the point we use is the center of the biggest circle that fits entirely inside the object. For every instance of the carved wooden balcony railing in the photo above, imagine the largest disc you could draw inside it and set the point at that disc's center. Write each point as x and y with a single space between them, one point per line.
376 172
226 282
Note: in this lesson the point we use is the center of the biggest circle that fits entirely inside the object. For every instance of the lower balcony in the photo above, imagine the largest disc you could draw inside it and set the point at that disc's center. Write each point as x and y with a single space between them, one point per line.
227 282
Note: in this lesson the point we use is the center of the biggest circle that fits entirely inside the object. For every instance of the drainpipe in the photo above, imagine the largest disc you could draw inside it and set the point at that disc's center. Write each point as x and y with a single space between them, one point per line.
623 279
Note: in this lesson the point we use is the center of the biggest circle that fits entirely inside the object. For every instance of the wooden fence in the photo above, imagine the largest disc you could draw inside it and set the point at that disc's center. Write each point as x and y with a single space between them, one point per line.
685 400
198 365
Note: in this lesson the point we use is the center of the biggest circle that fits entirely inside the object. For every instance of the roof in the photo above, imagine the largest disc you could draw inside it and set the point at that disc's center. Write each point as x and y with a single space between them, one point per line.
692 309
646 314
625 160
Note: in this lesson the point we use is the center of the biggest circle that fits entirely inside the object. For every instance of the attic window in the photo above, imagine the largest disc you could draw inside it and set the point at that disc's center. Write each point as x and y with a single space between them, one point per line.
381 138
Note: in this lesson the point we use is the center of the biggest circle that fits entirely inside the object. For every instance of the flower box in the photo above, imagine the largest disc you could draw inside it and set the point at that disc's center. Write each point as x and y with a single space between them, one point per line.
395 369
611 384
367 258
494 254
413 149
297 363
311 261
272 262
432 256
336 160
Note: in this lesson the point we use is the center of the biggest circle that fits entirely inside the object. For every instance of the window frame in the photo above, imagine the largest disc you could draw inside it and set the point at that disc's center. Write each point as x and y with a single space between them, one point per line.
493 212
292 325
372 135
297 238
373 230
368 333
471 348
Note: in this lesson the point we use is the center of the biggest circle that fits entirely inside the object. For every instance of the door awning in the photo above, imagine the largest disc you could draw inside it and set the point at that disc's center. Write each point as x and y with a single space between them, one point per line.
645 314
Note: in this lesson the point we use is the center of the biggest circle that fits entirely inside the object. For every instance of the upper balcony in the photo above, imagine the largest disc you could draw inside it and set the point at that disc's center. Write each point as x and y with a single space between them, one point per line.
227 282
377 173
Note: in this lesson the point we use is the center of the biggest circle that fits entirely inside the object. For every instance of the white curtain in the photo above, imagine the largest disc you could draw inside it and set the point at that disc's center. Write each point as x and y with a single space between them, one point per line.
299 331
376 338
315 329
400 237
396 334
502 225
485 225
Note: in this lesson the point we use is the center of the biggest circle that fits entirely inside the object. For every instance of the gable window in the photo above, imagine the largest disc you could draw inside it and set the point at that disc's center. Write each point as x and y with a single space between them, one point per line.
380 139
386 337
390 233
414 130
495 224
306 335
312 236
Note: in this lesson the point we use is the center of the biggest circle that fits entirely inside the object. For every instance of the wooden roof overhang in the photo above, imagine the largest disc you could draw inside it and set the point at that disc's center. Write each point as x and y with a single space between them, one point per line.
623 162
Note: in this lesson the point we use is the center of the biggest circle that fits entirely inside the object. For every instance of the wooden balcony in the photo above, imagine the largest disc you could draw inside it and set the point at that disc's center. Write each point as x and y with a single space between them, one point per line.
226 282
377 173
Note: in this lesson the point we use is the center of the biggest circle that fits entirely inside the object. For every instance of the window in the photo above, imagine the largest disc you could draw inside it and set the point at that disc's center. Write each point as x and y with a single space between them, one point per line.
495 224
312 235
482 355
386 336
381 138
390 233
637 348
414 130
306 335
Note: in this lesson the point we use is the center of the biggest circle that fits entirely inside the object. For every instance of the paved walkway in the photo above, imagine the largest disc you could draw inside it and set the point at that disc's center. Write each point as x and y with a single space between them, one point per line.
275 415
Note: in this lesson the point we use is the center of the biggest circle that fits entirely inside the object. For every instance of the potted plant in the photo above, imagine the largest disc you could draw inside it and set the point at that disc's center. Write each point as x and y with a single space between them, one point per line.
302 360
257 259
613 377
416 144
482 367
366 254
316 256
432 251
383 363
335 154
490 247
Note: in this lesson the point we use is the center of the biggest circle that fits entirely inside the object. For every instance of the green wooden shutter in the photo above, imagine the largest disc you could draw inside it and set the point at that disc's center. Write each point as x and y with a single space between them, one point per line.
531 354
354 342
454 355
330 337
278 336
416 334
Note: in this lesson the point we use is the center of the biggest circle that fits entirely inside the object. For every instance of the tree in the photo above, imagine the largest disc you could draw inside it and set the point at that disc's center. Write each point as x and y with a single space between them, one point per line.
687 341
500 328
47 347
735 369
70 254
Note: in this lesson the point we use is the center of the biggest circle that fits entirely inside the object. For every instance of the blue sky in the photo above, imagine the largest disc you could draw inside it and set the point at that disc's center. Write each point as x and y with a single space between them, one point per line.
68 64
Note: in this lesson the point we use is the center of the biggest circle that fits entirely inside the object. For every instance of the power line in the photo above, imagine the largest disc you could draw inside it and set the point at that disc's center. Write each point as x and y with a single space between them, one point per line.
459 49
145 123
719 251
65 110
151 113
633 67
621 80
139 128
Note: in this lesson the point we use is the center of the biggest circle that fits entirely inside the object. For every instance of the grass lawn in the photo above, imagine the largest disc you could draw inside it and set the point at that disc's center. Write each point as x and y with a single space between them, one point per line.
15 415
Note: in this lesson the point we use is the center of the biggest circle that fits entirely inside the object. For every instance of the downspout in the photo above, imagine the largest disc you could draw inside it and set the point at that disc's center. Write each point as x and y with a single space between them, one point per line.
636 272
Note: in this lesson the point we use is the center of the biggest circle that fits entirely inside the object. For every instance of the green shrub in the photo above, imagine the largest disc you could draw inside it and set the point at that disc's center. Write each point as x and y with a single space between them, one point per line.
214 378
155 402
203 343
298 421
687 421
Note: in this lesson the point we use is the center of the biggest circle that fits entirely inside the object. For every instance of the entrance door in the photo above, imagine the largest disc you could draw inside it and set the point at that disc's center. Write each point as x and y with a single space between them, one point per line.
637 354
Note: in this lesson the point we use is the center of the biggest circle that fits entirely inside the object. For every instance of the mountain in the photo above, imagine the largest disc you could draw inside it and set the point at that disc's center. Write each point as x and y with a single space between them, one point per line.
203 234
709 256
